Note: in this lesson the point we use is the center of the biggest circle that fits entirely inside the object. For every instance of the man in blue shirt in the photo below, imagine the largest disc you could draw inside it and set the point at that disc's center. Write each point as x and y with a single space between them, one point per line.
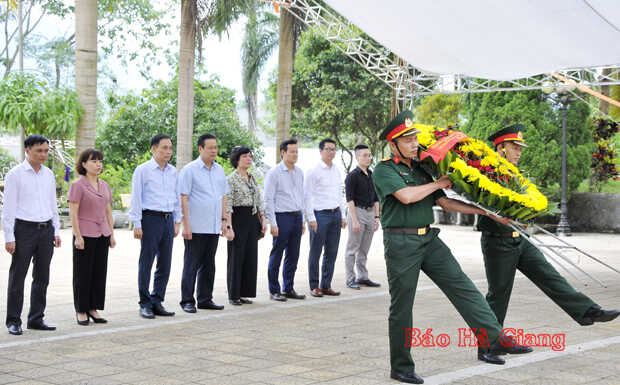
284 203
156 214
203 188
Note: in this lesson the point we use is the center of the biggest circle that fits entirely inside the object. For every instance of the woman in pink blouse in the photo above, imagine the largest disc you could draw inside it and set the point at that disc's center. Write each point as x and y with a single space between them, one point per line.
93 234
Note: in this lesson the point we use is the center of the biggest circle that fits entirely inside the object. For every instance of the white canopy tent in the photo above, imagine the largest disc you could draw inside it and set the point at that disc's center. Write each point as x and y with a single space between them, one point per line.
491 39
450 46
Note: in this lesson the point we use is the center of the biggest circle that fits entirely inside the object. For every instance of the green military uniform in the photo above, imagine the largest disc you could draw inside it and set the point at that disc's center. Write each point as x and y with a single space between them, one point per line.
504 254
406 254
505 251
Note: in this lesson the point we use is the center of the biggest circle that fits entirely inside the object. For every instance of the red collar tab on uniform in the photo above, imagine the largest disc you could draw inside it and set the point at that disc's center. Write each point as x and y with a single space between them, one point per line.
396 160
514 136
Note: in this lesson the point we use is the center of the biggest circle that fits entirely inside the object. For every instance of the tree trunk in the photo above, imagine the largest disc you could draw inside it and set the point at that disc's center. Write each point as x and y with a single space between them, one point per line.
86 71
20 42
285 72
603 106
185 109
252 108
57 67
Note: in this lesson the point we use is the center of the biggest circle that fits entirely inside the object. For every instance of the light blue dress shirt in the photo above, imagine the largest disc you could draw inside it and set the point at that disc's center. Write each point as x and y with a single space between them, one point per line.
154 188
205 187
284 191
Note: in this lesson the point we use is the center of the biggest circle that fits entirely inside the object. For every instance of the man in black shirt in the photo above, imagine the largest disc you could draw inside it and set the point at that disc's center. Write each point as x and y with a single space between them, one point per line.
363 218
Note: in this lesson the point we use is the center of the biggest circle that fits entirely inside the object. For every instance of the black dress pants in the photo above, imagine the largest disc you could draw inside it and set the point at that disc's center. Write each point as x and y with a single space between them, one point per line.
199 268
90 268
243 254
32 242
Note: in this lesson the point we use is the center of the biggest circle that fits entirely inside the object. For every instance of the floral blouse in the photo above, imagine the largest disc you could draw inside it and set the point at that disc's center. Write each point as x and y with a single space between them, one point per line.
243 192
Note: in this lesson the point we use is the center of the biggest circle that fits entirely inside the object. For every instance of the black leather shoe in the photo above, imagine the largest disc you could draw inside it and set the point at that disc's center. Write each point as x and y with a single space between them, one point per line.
146 312
210 305
506 344
596 314
293 295
277 297
100 320
235 302
490 358
410 378
246 301
40 326
188 308
159 309
15 330
367 282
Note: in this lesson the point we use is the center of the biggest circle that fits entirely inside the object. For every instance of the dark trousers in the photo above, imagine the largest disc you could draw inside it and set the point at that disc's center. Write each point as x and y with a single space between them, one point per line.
157 237
327 236
289 240
243 254
31 242
90 268
405 256
199 268
502 258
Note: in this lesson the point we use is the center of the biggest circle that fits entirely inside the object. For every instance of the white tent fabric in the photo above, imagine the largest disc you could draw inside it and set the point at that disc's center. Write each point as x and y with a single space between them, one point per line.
492 39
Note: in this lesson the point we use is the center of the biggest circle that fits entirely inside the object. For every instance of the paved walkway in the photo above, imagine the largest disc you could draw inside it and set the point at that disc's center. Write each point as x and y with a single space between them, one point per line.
340 340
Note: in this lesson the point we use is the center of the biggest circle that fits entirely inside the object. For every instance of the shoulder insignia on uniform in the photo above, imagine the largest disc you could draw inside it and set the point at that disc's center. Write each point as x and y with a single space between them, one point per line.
386 159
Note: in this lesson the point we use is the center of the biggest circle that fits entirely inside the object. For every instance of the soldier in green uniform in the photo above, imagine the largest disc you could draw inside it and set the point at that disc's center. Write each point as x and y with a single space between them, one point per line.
407 194
505 251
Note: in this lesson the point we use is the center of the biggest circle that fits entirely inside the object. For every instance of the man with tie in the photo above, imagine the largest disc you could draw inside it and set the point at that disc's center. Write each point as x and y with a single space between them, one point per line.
31 224
156 214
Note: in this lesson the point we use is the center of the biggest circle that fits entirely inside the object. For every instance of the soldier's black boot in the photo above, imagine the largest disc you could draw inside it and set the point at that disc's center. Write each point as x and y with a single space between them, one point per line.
490 358
507 345
596 314
410 378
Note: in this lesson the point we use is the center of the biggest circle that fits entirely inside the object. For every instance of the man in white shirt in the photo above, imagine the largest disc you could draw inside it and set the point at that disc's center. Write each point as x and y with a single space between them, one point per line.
30 222
325 212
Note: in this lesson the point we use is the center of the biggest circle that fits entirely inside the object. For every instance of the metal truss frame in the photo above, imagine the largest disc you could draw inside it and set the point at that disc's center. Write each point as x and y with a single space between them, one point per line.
409 81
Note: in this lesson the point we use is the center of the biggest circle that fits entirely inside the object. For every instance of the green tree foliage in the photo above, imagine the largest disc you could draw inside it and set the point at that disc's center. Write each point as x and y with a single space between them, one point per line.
439 110
336 97
604 159
259 41
485 113
7 161
128 27
126 135
28 102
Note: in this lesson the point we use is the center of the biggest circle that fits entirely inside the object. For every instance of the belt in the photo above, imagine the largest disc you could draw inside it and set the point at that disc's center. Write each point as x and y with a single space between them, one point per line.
514 234
408 230
163 214
328 210
364 207
295 213
39 225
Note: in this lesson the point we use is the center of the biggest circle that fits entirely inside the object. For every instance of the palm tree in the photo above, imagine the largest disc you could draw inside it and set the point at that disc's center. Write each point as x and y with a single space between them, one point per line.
261 38
199 18
290 28
86 71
